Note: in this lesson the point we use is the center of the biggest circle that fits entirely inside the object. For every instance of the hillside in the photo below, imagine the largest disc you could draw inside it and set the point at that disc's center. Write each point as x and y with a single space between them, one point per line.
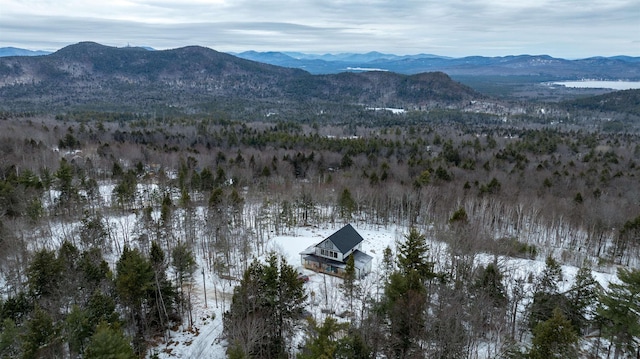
627 101
90 75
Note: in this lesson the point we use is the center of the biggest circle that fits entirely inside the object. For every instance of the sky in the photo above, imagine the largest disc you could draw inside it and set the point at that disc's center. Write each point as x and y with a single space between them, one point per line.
456 28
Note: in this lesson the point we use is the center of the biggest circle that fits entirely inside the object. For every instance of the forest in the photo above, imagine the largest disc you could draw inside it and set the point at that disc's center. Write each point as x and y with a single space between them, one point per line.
108 221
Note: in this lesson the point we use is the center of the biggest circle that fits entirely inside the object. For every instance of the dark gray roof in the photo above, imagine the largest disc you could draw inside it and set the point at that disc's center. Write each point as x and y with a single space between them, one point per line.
345 238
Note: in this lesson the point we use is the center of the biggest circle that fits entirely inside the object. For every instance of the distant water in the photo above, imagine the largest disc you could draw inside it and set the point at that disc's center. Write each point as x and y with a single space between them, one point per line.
595 84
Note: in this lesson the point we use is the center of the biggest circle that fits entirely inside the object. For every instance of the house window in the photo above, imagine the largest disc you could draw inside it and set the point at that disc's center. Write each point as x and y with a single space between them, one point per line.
328 253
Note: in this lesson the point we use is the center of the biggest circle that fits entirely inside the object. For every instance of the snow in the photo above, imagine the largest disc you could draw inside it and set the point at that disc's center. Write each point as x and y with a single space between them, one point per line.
324 295
204 339
391 109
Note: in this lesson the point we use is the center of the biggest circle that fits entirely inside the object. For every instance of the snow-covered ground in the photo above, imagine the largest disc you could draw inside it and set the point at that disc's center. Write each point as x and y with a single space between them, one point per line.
205 338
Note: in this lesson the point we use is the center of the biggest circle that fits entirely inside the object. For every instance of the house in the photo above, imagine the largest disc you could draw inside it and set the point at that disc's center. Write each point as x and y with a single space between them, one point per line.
331 255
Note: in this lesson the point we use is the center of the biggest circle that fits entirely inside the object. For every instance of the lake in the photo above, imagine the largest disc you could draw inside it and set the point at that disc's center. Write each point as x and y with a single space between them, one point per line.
616 85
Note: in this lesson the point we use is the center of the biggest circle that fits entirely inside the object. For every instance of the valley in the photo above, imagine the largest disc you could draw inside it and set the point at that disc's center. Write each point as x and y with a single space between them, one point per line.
133 182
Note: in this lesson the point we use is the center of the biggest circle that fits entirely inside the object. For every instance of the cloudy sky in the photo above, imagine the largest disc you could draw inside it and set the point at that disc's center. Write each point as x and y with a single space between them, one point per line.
560 28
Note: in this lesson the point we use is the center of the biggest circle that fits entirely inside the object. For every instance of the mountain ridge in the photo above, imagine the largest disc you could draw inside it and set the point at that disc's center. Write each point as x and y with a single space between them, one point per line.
620 67
616 67
91 74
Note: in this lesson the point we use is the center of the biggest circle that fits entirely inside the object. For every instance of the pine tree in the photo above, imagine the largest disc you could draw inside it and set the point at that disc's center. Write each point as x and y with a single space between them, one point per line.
405 305
412 255
547 296
134 277
490 283
322 341
346 204
184 266
582 297
134 281
388 263
264 309
551 276
44 276
9 339
68 192
405 300
108 342
78 329
554 338
39 340
619 311
349 284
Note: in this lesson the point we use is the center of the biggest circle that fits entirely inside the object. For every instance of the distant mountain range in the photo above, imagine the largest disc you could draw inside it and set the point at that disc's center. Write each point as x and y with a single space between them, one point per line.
14 51
542 66
613 68
93 76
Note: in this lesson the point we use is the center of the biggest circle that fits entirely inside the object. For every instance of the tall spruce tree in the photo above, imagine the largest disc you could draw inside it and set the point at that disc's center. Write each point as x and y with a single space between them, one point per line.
554 338
619 311
264 310
406 296
547 295
349 285
582 297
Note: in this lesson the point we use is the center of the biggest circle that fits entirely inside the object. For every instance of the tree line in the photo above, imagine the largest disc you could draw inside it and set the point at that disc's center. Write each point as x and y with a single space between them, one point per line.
120 188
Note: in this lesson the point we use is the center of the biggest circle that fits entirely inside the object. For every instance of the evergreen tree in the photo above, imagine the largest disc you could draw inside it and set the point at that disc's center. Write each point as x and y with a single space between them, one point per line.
101 308
619 311
388 263
551 276
44 275
490 283
349 284
68 191
40 337
554 338
346 204
78 329
108 342
184 266
124 193
547 296
405 300
92 231
183 262
134 277
134 281
9 339
322 342
405 305
264 309
583 297
412 255
96 274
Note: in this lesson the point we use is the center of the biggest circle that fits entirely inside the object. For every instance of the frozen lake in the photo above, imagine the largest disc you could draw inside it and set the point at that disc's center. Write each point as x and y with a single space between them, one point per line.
616 85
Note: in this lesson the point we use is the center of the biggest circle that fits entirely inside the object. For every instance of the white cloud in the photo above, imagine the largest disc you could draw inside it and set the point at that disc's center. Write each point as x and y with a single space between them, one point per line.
563 28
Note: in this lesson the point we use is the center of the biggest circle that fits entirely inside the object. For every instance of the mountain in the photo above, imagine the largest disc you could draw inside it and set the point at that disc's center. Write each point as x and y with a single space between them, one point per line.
94 76
617 67
14 51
